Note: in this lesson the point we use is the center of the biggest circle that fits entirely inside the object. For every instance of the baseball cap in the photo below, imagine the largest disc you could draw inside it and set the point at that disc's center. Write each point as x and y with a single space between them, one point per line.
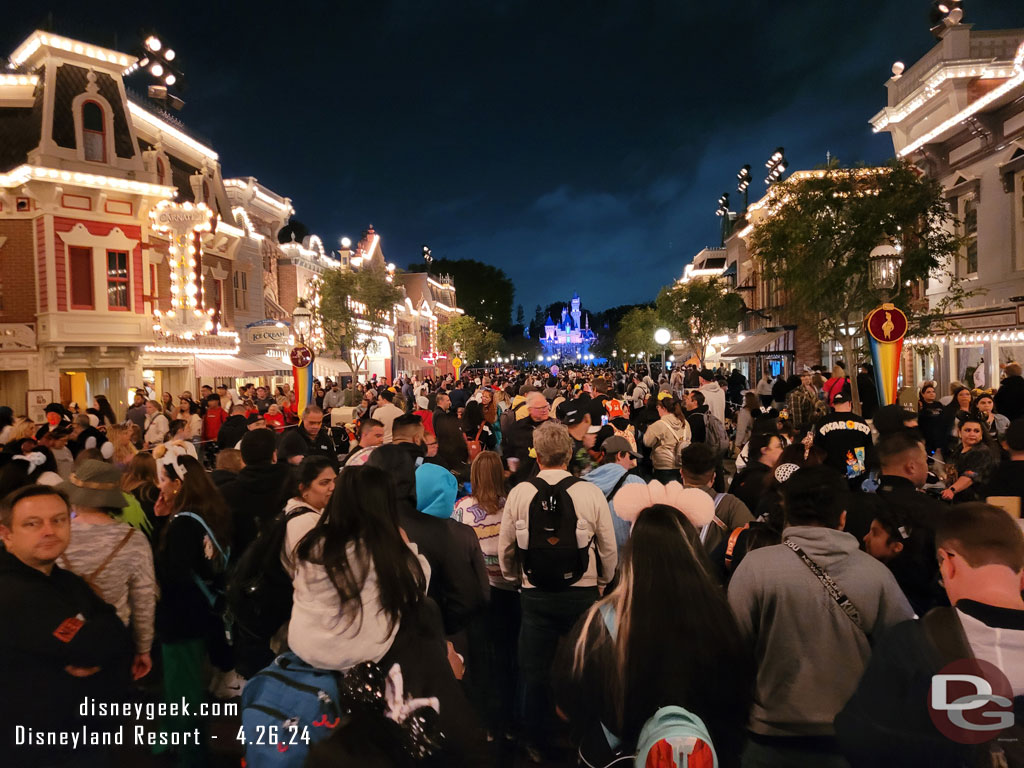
842 396
617 444
571 412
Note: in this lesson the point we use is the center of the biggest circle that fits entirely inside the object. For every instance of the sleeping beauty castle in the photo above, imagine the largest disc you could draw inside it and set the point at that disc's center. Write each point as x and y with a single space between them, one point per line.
570 338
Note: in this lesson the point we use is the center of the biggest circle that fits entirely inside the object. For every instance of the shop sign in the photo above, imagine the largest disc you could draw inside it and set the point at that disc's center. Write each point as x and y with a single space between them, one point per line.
268 335
407 341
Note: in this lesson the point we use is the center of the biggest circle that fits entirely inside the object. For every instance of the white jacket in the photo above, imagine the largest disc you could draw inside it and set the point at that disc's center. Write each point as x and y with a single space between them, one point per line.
320 632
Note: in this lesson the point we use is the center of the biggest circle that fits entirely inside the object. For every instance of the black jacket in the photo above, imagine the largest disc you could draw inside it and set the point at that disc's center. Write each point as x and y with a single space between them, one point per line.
454 585
698 427
254 497
517 443
886 722
1009 398
36 645
751 483
297 442
231 431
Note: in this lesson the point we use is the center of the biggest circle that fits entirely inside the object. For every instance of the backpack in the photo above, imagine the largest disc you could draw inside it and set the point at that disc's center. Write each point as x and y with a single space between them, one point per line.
551 552
672 736
681 444
949 643
474 446
259 591
715 436
292 705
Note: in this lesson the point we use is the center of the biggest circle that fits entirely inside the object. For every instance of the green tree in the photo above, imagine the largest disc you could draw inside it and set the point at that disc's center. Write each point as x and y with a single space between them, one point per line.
816 240
356 306
699 310
636 332
475 340
482 290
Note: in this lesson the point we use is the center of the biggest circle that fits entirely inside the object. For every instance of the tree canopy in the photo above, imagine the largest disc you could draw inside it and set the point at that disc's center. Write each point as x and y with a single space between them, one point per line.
636 331
484 291
699 310
356 306
476 341
820 229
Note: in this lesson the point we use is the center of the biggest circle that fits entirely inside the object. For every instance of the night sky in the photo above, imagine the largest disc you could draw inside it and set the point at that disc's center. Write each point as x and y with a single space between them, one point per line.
577 145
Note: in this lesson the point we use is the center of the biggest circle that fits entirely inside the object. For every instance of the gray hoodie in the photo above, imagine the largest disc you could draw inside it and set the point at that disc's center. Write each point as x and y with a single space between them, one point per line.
662 436
714 399
810 654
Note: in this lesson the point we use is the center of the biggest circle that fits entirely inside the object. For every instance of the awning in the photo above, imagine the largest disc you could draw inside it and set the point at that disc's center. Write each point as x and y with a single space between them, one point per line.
234 366
331 366
276 366
751 344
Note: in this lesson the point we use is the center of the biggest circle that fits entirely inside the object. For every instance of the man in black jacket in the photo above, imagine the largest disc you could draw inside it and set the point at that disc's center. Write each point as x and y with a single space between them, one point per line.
61 643
259 491
453 584
232 430
887 721
1009 398
518 441
310 437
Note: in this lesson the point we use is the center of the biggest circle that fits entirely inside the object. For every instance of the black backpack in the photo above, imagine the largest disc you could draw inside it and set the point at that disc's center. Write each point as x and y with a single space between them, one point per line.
259 592
554 558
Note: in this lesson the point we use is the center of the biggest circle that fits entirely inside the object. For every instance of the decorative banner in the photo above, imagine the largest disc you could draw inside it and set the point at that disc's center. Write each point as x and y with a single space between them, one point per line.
302 376
457 365
886 326
625 367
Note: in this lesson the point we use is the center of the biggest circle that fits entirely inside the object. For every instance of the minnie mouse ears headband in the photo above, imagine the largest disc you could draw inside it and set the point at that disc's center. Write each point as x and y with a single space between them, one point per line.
634 498
167 455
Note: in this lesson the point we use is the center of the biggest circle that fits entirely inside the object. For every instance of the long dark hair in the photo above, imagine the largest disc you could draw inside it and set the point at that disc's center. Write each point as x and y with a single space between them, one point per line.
106 412
663 654
473 418
308 470
451 445
673 406
198 494
359 530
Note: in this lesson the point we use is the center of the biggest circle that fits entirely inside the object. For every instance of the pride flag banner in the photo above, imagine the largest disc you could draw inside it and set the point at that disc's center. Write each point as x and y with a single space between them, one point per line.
886 327
302 376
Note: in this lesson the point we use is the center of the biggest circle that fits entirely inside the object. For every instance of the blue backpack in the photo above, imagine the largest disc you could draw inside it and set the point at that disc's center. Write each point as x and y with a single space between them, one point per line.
673 736
285 708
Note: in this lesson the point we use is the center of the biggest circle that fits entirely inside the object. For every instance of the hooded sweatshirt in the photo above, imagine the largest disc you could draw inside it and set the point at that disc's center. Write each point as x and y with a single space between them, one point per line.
805 676
320 632
662 436
605 477
714 399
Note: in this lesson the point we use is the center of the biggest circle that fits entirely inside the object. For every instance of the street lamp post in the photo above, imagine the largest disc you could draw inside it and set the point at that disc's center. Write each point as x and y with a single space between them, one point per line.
886 325
776 166
661 338
743 179
723 211
302 357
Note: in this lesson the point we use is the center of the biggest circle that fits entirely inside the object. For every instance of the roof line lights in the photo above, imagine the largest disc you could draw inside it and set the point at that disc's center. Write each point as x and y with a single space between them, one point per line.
819 174
19 79
976 106
927 89
39 38
24 173
168 129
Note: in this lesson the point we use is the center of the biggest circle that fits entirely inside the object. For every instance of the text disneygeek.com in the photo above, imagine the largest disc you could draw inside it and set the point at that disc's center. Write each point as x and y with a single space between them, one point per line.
95 734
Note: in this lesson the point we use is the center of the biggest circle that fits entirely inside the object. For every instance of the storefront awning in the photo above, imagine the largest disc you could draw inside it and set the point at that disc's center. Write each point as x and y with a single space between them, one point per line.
751 344
234 366
331 366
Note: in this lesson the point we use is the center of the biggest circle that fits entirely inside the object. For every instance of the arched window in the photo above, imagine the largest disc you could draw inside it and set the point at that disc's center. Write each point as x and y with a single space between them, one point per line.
94 132
161 170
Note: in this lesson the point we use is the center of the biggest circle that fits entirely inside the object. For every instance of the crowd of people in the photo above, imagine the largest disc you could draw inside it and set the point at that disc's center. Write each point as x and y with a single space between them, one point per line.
515 564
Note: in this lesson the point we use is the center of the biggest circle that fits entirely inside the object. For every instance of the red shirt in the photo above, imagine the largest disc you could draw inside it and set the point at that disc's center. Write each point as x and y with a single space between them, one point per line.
212 421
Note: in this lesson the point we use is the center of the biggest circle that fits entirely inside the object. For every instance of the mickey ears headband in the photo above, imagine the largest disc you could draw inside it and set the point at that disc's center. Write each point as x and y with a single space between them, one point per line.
693 503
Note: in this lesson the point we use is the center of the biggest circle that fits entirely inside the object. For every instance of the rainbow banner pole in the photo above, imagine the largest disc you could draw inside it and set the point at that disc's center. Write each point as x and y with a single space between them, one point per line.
886 326
302 376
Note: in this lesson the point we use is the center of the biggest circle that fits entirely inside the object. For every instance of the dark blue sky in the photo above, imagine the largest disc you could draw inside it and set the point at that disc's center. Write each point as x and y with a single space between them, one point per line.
576 144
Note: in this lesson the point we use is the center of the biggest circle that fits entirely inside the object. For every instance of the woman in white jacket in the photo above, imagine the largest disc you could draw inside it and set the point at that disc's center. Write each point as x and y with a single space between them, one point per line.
345 610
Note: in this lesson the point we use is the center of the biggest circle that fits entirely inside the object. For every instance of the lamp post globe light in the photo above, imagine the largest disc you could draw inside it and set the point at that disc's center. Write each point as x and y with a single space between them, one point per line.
661 338
884 267
302 322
